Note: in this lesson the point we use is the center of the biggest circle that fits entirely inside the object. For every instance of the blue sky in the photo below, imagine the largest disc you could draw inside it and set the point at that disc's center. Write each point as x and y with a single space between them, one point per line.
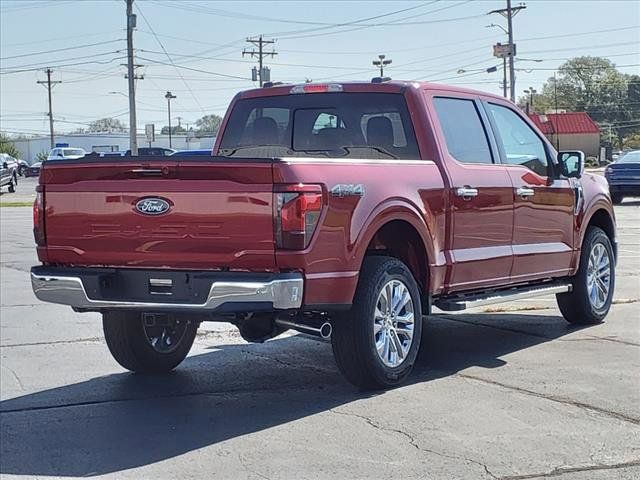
427 40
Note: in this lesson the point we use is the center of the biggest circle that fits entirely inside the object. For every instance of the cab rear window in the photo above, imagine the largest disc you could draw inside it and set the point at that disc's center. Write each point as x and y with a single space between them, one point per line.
355 125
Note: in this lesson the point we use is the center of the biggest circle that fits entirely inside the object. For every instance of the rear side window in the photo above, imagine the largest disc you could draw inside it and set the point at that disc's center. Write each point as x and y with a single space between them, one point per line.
354 125
463 130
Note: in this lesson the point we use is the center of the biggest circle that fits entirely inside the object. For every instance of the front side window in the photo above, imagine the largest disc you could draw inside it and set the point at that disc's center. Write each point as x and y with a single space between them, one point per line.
352 125
520 143
463 130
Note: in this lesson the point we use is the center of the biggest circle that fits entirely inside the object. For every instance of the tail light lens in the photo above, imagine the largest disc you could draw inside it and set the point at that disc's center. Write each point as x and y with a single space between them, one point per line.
298 208
38 217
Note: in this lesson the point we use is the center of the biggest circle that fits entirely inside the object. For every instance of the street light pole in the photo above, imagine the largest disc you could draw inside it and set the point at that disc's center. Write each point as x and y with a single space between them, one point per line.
169 96
530 91
381 62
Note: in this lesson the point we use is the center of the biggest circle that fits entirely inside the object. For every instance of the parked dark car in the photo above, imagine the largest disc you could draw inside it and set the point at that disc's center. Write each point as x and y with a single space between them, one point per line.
33 170
623 176
22 166
8 172
184 153
153 151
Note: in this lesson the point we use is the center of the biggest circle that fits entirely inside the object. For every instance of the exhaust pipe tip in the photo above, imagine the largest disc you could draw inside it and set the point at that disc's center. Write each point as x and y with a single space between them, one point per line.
325 330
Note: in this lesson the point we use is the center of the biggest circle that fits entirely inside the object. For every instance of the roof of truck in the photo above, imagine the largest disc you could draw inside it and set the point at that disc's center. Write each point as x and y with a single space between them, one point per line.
391 86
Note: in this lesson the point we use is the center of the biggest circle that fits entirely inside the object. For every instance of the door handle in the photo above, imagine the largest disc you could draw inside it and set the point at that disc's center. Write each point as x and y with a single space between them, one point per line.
525 192
466 192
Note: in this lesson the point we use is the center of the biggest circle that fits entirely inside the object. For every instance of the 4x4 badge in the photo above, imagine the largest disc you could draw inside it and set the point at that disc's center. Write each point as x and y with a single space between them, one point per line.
348 190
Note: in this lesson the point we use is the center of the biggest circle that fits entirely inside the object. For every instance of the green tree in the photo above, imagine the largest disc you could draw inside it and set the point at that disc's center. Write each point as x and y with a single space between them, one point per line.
108 125
7 146
594 85
175 129
208 125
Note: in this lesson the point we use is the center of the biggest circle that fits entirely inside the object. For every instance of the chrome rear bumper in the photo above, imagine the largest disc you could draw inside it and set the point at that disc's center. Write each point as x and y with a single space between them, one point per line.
282 292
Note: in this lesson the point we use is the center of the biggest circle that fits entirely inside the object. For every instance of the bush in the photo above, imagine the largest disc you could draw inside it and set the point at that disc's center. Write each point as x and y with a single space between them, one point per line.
42 156
7 146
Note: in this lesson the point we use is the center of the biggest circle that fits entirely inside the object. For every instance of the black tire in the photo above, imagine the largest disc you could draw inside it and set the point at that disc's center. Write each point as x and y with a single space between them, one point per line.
12 185
616 198
21 170
576 307
130 347
353 338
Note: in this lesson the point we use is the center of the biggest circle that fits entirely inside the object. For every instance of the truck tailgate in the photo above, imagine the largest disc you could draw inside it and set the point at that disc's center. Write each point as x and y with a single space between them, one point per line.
218 213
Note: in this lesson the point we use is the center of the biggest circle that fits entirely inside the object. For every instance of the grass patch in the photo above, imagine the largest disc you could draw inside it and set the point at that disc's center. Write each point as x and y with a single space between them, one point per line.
16 204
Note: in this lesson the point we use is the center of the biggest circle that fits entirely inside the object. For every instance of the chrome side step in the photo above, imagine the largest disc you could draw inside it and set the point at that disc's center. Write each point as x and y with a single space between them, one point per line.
463 302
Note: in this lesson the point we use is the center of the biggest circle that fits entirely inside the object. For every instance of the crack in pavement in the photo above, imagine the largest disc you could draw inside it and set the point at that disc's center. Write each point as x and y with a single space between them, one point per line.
412 441
595 337
15 376
279 389
566 401
556 472
55 342
288 364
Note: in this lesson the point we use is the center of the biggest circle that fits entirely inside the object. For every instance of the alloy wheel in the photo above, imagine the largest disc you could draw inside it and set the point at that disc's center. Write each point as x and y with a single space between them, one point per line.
393 323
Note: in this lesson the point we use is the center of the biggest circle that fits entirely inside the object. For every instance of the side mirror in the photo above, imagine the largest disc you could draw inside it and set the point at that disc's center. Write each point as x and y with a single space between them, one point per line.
571 163
60 155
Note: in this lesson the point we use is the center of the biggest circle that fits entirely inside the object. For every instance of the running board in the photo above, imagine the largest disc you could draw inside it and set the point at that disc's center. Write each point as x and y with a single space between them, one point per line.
463 302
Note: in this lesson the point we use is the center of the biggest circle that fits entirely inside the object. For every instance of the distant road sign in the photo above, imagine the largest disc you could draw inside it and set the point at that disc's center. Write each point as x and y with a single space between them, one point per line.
503 51
150 131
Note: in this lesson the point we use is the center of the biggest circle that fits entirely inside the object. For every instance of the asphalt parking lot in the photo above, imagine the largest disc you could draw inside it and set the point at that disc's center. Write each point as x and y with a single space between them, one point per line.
513 392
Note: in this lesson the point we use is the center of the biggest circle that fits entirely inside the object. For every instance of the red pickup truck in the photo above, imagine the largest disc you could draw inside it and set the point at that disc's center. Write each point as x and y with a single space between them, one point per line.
339 210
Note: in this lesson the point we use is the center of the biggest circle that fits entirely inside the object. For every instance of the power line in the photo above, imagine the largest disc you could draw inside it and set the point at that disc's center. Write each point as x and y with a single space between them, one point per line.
62 49
171 61
38 66
194 70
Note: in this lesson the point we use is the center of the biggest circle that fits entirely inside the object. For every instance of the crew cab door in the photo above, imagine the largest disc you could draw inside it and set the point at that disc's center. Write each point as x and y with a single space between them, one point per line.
543 204
480 196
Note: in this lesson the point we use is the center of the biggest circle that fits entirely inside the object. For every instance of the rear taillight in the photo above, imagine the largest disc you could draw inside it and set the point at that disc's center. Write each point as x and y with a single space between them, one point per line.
38 217
297 212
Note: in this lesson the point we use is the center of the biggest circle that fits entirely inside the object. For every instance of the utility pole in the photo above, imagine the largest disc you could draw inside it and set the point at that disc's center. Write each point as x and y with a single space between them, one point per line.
504 77
131 78
50 85
263 74
169 96
509 13
381 62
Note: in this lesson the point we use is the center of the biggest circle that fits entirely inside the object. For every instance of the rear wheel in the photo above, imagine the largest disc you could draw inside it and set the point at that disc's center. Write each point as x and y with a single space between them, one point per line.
376 343
12 185
148 343
590 299
616 198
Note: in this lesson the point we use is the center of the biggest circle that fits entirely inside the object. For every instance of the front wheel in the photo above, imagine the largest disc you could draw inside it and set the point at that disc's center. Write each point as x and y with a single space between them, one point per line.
590 299
12 185
376 343
148 343
616 198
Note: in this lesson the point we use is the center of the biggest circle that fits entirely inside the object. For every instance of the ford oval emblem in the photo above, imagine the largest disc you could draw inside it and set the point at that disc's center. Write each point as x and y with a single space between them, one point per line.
152 206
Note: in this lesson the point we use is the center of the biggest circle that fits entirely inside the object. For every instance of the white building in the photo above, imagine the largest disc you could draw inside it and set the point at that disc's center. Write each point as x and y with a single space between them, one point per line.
107 142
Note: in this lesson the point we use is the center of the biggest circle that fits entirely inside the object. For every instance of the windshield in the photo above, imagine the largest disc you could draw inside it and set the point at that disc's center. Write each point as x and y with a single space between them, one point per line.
630 157
356 125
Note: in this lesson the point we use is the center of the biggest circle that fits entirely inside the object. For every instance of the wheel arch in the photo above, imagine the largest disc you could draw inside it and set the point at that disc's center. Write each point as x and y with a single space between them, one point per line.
602 218
399 231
